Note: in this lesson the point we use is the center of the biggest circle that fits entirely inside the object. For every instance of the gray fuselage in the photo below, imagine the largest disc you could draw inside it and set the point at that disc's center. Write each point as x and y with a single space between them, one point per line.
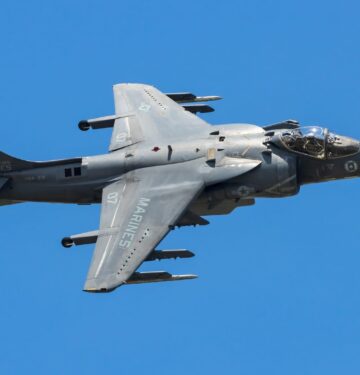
280 173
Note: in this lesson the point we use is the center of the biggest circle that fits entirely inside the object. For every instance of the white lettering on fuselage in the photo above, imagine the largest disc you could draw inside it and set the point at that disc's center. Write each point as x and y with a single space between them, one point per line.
134 223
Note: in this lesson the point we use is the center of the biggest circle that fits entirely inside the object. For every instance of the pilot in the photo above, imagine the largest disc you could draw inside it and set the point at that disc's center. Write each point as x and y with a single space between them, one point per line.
314 146
294 140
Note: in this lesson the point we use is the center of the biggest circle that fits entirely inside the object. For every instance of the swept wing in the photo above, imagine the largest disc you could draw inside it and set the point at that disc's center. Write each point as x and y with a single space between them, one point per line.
140 208
146 114
137 212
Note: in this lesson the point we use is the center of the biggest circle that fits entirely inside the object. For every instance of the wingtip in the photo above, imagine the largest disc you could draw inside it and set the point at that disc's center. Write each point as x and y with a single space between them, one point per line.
100 286
124 84
101 290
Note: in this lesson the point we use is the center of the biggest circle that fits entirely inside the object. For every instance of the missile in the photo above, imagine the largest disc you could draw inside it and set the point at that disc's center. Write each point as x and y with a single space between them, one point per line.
156 276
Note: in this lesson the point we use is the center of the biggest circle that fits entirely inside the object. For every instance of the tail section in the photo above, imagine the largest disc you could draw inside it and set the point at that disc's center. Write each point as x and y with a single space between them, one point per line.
3 182
9 163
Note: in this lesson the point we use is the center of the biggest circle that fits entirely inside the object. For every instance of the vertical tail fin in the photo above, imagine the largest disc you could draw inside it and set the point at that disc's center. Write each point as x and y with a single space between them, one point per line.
9 163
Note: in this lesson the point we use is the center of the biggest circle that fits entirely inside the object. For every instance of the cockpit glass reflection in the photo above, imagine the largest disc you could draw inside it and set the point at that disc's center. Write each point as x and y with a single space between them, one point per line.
319 143
306 140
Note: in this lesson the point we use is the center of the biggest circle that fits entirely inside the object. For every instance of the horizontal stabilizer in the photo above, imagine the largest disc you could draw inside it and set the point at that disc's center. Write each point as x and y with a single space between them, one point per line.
4 202
198 108
3 181
169 254
158 276
188 97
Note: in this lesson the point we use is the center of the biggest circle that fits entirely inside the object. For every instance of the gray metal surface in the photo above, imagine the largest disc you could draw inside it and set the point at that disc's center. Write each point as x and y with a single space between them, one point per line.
137 212
167 168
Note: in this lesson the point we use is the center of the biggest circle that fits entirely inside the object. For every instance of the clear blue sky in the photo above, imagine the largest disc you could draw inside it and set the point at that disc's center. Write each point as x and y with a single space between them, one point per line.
278 291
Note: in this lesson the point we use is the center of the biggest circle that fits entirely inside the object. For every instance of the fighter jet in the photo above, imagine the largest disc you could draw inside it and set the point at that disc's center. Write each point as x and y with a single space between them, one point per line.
167 168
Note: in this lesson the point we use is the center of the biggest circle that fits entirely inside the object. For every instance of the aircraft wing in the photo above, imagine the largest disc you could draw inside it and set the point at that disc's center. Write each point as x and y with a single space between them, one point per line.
143 113
137 212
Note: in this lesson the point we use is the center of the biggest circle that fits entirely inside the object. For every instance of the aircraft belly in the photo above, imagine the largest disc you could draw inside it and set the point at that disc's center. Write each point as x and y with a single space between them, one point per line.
277 178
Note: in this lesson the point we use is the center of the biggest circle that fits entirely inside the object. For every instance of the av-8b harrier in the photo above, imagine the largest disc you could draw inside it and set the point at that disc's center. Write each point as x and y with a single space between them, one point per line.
165 168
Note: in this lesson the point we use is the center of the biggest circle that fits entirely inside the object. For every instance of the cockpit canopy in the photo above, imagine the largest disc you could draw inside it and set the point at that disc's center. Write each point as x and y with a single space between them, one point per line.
318 142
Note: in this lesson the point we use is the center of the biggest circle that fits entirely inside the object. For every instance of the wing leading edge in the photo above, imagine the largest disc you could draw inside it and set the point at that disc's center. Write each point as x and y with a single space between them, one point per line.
141 207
